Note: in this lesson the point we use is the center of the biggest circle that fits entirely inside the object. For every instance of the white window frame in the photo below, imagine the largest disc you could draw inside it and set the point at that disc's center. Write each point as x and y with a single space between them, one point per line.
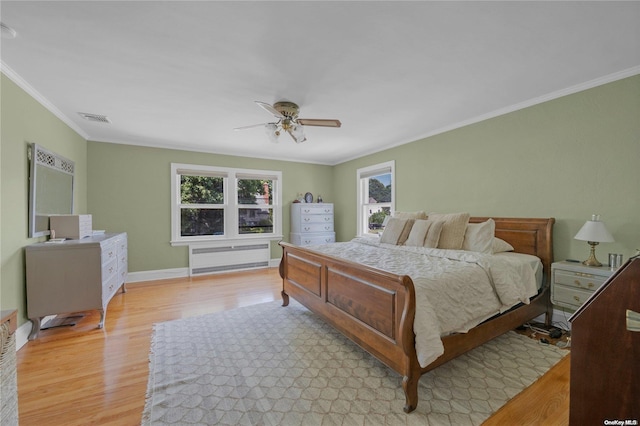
363 204
230 206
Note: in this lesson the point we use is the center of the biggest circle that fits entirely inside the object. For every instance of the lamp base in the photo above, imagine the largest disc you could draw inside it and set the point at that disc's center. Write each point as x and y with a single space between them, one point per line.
592 261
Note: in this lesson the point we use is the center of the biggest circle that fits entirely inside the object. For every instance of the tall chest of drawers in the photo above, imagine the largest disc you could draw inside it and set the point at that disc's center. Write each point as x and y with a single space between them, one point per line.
312 223
73 276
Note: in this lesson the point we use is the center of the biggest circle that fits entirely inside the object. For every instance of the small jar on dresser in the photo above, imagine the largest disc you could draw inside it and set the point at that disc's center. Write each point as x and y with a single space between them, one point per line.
572 283
312 223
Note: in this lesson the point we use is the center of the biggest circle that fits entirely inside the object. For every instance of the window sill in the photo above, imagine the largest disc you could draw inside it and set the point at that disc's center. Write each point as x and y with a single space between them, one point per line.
186 242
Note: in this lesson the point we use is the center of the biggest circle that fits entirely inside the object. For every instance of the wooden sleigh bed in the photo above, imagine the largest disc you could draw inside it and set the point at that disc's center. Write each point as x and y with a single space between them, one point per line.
376 309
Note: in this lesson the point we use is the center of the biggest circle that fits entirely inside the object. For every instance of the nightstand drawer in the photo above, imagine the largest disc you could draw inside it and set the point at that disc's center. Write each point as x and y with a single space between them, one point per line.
570 296
578 280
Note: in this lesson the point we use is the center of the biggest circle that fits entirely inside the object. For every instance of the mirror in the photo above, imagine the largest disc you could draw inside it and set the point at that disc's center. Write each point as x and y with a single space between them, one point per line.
50 188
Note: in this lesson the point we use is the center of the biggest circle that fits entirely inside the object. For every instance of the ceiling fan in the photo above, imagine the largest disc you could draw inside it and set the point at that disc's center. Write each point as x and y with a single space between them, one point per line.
288 121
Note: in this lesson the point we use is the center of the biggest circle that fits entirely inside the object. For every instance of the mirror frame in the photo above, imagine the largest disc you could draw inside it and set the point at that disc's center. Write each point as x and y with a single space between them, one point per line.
40 159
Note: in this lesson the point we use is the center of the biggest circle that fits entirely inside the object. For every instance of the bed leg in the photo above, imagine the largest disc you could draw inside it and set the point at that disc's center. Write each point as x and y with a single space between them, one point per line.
548 316
410 386
285 298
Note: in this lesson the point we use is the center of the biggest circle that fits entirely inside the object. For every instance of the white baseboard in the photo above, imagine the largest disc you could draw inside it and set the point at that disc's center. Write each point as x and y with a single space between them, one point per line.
164 274
161 274
22 332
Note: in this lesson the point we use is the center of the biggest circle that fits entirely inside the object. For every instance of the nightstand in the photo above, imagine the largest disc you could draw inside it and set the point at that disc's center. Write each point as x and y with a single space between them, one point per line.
572 283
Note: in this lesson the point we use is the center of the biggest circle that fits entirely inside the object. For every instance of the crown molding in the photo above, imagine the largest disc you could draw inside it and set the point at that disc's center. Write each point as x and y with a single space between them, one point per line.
24 85
609 78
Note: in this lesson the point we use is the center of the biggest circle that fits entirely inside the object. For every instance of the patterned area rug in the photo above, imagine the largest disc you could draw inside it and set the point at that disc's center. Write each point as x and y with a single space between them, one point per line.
270 365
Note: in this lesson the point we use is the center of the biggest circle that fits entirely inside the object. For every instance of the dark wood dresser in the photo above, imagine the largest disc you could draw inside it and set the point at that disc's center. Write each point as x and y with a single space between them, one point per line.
605 352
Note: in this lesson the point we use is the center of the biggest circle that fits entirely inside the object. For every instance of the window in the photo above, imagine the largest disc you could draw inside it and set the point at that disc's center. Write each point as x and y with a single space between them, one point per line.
214 203
376 197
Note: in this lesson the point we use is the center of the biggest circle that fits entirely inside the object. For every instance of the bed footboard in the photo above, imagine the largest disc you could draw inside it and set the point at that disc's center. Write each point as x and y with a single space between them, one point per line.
373 308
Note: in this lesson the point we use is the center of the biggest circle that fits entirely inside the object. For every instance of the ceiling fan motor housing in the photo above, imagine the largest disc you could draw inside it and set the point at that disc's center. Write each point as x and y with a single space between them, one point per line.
288 109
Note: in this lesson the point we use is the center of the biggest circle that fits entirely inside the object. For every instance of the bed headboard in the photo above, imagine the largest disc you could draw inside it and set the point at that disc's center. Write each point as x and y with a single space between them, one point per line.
527 235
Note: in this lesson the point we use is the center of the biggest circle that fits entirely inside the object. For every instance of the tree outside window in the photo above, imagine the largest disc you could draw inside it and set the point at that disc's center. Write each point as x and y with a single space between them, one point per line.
223 203
375 197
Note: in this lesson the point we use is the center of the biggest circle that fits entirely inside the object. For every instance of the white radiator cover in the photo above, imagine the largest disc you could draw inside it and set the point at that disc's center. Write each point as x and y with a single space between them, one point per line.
224 256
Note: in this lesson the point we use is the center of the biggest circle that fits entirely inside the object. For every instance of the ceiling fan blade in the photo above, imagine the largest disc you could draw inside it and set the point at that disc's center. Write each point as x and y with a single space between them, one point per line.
319 122
270 109
250 127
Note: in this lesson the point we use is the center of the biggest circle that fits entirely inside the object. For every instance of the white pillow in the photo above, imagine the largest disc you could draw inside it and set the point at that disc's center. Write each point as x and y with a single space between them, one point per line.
418 233
479 237
500 245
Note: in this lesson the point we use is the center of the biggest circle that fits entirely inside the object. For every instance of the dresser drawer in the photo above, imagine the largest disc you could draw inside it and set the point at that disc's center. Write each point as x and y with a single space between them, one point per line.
316 227
569 296
578 280
109 288
315 218
109 253
109 270
309 240
313 209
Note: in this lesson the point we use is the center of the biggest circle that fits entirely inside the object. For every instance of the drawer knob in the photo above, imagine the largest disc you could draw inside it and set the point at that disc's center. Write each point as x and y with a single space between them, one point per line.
576 298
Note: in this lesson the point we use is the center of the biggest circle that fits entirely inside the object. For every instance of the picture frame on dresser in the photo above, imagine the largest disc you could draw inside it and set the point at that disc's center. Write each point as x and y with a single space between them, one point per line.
308 197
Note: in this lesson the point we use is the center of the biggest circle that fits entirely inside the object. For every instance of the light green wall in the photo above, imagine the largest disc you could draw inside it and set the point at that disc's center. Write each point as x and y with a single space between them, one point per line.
24 121
130 191
566 158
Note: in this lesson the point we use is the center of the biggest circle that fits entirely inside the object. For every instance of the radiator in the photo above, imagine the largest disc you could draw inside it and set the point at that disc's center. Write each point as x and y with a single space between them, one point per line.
227 256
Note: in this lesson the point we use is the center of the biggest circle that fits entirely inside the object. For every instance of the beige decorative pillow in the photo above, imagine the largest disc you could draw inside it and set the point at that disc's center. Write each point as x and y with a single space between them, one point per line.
397 231
418 233
452 235
479 237
433 236
420 215
500 245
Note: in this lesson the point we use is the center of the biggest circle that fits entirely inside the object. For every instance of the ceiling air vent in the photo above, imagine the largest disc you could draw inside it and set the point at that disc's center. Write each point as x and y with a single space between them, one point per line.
95 117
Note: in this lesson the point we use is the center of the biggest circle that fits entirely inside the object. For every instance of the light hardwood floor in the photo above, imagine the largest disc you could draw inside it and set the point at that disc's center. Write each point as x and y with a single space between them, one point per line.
82 375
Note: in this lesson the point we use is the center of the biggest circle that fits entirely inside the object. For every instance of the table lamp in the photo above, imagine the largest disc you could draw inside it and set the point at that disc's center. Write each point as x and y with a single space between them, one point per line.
594 232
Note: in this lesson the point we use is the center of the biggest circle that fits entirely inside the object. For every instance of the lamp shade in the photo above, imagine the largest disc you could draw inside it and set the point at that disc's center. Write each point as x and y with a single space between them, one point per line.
594 230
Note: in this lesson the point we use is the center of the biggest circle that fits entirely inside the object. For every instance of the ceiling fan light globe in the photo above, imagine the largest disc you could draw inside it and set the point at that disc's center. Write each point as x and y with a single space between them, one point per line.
271 129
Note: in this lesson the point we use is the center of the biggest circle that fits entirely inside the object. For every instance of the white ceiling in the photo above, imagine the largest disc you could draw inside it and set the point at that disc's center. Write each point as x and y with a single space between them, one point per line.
184 74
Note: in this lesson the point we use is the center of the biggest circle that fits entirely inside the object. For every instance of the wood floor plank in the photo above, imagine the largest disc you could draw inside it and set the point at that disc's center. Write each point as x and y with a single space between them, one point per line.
83 375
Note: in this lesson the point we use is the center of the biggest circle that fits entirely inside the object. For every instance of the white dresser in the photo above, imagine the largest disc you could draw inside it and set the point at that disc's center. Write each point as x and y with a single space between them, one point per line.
312 223
73 276
573 283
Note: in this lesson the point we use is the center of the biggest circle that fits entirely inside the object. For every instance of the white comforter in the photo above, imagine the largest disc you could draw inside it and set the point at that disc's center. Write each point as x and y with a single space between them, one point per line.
455 290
